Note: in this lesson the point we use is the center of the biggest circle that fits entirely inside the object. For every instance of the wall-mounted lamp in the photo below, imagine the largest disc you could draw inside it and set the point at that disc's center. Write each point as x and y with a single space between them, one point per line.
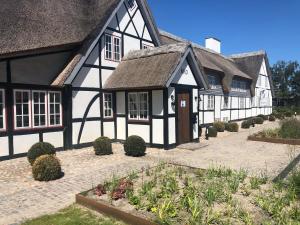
172 100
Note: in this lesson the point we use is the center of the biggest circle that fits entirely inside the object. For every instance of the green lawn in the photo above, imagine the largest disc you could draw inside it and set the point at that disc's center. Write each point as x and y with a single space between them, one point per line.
73 215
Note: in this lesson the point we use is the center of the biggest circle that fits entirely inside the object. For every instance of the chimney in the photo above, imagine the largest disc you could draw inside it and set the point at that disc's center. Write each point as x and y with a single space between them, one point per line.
213 44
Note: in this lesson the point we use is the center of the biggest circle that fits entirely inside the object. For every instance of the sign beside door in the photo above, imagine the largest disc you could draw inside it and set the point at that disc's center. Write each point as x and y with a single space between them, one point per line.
182 103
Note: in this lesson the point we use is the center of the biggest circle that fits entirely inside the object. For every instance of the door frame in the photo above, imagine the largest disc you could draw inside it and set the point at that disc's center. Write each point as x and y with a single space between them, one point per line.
179 90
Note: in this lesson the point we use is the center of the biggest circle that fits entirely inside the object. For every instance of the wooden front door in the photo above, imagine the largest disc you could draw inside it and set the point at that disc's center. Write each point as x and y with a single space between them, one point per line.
184 135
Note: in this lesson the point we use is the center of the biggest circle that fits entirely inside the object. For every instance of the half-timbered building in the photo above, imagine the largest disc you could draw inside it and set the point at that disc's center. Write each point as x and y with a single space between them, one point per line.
71 71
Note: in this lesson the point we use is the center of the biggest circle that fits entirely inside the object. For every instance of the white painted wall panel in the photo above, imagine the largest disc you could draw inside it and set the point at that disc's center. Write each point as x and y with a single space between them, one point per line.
109 129
185 75
195 129
93 58
87 77
157 103
54 138
81 100
225 115
4 151
114 23
91 131
195 100
208 117
139 23
120 97
218 100
158 131
172 131
123 17
22 143
141 130
147 35
121 128
131 44
234 115
105 75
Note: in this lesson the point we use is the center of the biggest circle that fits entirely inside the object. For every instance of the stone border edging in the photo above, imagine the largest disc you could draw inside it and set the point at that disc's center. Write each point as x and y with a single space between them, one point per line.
275 140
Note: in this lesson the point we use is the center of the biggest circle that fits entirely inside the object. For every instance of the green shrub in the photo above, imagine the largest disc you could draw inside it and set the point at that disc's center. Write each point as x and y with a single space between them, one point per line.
294 180
264 117
220 126
288 114
103 146
258 120
246 124
232 127
290 128
279 116
39 149
135 146
272 118
212 132
46 168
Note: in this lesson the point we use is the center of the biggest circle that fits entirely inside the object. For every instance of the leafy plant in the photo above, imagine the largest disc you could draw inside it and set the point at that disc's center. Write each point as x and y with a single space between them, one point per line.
39 149
219 126
103 146
258 120
46 168
212 132
232 127
290 129
135 146
246 124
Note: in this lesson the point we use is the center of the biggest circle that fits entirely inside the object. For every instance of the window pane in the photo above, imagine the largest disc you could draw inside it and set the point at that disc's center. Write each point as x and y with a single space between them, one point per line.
19 121
26 121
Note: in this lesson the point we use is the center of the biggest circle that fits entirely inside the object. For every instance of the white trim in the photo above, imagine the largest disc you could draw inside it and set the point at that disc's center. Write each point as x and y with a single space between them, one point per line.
60 108
138 106
3 110
104 105
113 47
210 102
46 106
29 109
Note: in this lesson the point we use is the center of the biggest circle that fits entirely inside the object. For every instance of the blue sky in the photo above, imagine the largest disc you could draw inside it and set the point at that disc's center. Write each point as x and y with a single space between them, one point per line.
241 25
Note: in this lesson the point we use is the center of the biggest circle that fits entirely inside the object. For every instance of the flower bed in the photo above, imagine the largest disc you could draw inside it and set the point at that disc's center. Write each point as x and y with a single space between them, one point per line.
172 194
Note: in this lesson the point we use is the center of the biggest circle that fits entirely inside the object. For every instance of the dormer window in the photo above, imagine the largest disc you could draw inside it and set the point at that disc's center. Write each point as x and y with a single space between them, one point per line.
131 4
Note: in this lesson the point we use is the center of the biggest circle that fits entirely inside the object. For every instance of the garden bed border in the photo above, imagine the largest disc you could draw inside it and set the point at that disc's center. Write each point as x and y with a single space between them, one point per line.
275 140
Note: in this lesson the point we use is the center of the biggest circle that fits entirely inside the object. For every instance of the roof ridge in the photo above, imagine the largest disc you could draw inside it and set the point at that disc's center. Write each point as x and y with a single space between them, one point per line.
164 49
162 32
247 54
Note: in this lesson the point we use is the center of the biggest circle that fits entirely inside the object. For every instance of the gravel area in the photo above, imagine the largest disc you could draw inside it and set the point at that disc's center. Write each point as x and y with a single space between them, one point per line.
21 197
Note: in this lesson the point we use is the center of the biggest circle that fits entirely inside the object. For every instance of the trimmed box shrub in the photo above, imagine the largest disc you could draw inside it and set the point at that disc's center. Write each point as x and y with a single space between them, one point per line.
220 126
290 128
39 149
263 116
258 120
46 168
135 146
272 118
103 146
246 124
212 132
232 127
288 114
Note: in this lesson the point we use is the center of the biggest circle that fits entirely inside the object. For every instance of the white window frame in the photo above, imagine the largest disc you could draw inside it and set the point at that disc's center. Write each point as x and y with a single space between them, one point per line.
29 110
112 48
3 110
33 113
225 104
131 7
106 105
243 105
60 108
138 106
210 102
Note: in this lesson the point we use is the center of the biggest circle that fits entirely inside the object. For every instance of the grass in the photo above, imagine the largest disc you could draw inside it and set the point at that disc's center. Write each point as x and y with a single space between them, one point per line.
73 215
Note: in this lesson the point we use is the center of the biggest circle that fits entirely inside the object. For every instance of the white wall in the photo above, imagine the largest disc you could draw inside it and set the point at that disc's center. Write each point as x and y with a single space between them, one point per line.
22 143
185 75
4 146
54 138
141 130
158 131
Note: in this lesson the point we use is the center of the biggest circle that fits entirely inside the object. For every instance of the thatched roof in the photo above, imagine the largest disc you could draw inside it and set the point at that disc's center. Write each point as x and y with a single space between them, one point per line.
147 69
210 60
251 63
33 24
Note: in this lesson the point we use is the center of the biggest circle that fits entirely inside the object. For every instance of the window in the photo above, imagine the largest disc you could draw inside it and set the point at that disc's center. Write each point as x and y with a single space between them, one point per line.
210 102
107 103
144 46
54 108
242 103
213 81
2 110
22 109
225 103
138 106
239 86
131 4
39 108
112 48
243 86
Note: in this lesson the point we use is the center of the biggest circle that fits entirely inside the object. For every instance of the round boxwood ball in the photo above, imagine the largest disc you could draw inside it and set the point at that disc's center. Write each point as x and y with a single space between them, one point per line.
103 146
272 118
220 126
135 146
212 132
258 120
46 168
232 127
246 124
39 149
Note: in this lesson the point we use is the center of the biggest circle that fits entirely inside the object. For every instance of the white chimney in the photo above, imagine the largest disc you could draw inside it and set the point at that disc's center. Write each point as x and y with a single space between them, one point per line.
213 44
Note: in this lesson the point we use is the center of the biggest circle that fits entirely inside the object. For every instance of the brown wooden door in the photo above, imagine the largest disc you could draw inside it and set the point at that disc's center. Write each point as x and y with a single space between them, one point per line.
184 118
